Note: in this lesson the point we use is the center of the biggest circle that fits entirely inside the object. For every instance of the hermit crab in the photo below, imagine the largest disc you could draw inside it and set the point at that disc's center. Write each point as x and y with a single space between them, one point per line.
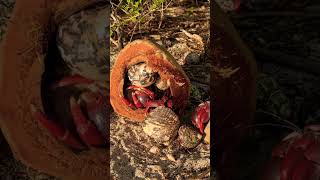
146 76
84 88
139 93
296 157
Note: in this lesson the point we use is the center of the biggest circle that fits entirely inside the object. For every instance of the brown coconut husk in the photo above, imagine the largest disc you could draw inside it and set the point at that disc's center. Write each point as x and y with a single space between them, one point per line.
23 53
161 62
233 90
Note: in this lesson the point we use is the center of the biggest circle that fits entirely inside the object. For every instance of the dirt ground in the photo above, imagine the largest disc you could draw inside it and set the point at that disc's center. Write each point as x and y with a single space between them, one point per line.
184 32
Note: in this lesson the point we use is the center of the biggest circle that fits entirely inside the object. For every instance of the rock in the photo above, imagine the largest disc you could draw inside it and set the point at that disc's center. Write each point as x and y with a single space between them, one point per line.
154 150
192 58
161 124
83 41
188 137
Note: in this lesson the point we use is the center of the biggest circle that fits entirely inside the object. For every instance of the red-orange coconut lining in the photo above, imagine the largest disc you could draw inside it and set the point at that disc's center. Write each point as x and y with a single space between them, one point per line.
161 62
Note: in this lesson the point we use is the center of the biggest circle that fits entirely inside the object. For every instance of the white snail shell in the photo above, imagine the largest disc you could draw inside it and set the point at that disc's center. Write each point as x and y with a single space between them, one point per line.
141 75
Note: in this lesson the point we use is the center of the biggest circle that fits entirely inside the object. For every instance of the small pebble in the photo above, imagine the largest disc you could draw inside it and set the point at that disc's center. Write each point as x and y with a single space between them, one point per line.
154 150
192 58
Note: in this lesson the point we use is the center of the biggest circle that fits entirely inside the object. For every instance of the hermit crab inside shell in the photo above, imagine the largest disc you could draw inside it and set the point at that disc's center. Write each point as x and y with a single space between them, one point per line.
74 83
51 130
145 76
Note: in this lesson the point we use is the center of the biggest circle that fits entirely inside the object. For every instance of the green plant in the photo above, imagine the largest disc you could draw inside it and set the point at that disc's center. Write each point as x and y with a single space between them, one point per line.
128 16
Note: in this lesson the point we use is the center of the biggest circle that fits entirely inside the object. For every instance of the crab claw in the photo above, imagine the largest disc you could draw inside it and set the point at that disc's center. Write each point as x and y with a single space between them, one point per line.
56 130
96 108
143 89
201 115
86 129
72 80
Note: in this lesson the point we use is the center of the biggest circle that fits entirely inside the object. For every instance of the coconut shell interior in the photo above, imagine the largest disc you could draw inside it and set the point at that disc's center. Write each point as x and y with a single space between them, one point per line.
23 53
157 59
234 94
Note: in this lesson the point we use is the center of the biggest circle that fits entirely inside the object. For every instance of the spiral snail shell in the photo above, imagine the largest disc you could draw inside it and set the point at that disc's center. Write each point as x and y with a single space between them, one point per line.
162 125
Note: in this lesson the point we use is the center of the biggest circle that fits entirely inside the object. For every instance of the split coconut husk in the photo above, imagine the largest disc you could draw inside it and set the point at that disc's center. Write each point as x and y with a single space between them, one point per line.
161 62
233 90
23 53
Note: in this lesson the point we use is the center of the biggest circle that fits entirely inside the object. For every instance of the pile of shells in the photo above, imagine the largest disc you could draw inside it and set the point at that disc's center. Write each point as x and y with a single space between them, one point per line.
163 126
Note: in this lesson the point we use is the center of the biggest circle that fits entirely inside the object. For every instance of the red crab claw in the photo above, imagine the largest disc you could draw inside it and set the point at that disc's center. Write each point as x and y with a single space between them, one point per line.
201 115
96 108
72 80
143 89
86 129
56 130
169 103
136 100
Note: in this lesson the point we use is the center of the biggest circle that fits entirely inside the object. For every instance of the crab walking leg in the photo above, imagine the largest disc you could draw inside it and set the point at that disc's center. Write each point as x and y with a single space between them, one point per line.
143 89
72 80
56 130
86 129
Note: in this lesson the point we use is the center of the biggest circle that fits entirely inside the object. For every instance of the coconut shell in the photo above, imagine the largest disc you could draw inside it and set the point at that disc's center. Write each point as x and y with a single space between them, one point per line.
161 62
234 92
23 52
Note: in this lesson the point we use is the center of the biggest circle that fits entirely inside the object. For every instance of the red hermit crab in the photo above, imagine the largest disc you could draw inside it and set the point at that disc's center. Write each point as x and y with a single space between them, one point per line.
201 115
142 93
297 157
89 126
77 110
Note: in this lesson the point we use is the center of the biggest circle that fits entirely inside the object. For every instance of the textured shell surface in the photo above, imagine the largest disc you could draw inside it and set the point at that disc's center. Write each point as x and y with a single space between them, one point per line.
161 124
141 75
189 137
83 39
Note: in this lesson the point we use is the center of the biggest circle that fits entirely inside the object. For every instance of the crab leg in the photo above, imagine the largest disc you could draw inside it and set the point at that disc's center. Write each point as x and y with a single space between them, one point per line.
56 130
143 89
86 129
72 80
